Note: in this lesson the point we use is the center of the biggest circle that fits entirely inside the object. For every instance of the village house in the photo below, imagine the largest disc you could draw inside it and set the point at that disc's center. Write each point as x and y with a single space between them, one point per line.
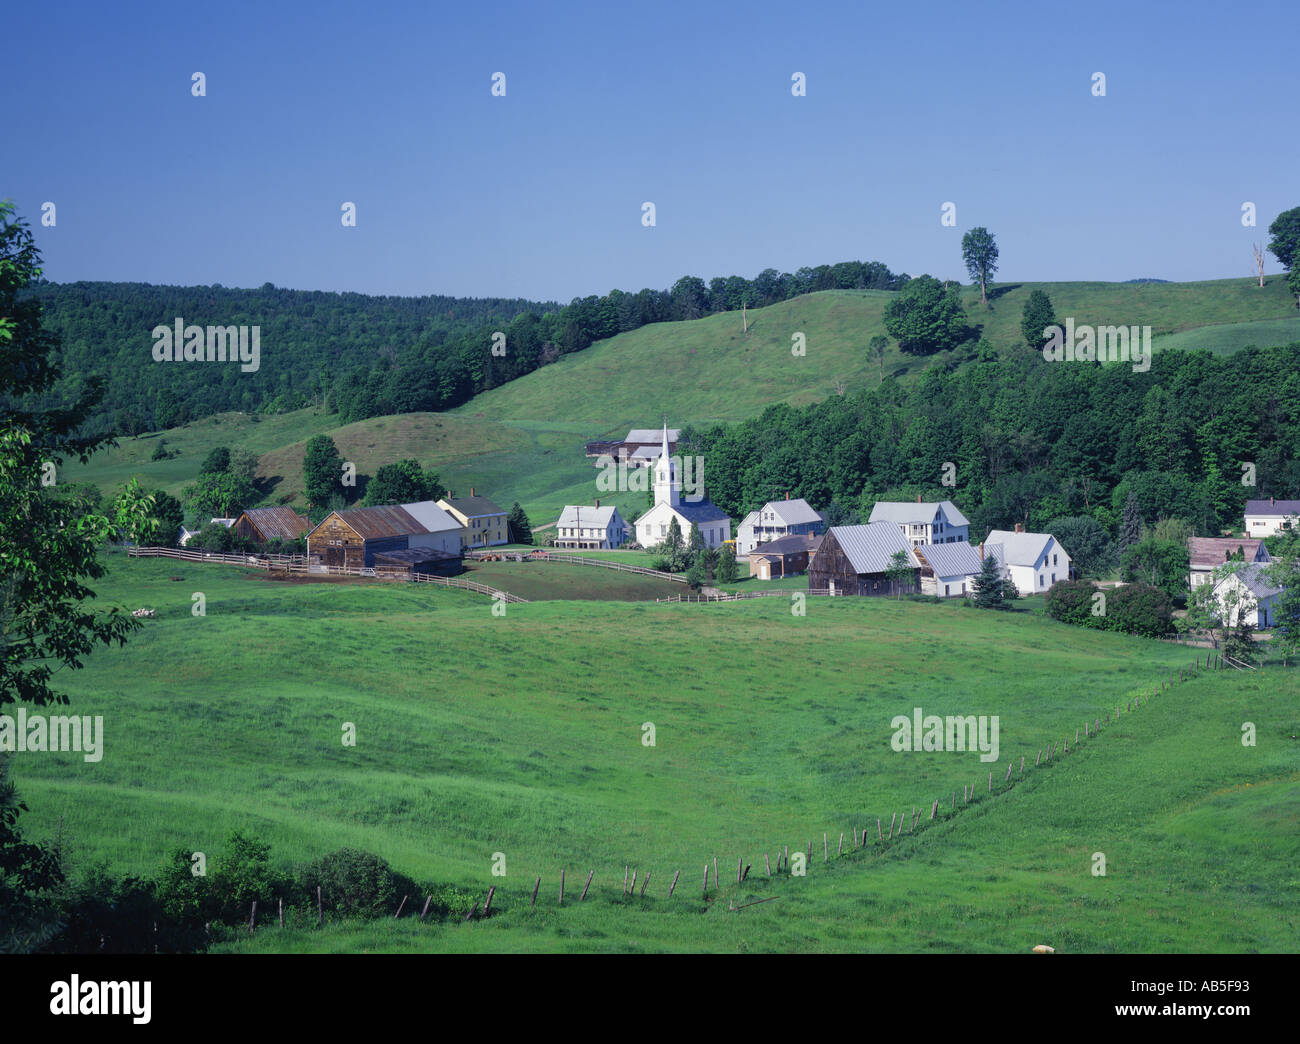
652 527
1255 600
1206 554
640 449
924 522
275 523
784 556
483 523
421 538
591 527
1267 517
947 570
777 518
853 560
1031 561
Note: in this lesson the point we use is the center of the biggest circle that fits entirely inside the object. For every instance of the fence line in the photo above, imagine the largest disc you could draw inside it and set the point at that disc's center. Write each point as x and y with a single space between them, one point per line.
735 596
550 556
299 564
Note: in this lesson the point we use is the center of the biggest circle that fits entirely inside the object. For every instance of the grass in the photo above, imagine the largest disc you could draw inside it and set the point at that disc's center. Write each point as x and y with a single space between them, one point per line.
522 734
539 581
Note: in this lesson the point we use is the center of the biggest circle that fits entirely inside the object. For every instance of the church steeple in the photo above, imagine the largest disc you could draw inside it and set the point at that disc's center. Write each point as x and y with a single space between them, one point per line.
668 484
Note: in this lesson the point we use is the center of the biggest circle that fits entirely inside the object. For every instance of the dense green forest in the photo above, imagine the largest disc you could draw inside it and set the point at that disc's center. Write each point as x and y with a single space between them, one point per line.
358 355
1031 441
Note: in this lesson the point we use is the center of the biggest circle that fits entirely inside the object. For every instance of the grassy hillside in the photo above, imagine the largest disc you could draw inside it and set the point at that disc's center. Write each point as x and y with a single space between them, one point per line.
771 729
524 441
709 369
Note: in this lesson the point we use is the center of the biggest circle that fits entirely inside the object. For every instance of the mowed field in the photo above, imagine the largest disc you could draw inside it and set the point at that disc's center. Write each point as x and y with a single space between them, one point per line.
522 734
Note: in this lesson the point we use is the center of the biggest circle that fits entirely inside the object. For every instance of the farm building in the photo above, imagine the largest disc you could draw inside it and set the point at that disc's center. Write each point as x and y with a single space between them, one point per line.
777 518
947 569
590 526
1266 517
351 538
1206 554
924 523
262 524
426 561
784 556
1256 597
483 523
652 527
854 560
1031 561
640 449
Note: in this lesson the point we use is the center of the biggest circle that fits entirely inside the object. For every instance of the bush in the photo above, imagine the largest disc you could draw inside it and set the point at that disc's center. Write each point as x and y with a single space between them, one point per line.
244 875
1071 601
355 883
1140 609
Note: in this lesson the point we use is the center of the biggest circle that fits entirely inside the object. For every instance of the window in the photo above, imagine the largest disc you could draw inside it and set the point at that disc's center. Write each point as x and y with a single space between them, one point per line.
1040 581
946 592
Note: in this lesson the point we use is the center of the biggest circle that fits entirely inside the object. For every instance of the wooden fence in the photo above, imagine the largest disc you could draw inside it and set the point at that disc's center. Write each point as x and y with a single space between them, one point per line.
299 564
735 596
854 844
550 556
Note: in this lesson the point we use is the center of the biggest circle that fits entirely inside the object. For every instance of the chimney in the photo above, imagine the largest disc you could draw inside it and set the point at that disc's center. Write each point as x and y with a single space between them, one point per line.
918 498
471 491
1020 527
787 494
981 552
1271 502
597 502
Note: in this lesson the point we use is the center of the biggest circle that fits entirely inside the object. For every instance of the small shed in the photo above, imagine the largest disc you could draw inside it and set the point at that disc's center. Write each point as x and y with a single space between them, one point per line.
785 556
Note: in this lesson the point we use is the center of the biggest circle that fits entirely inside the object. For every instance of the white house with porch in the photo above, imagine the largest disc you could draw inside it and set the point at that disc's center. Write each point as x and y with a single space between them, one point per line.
1247 595
936 522
1266 517
590 526
652 527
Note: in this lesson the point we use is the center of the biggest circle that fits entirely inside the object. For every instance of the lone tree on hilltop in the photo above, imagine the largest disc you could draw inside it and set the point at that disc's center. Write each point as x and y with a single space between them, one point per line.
980 252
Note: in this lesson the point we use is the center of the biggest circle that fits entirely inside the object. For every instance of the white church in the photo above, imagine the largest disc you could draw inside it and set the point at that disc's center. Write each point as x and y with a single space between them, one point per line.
652 527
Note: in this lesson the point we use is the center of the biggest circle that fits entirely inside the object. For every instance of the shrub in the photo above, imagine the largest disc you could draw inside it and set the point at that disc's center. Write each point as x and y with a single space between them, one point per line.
1070 601
1140 609
244 875
355 883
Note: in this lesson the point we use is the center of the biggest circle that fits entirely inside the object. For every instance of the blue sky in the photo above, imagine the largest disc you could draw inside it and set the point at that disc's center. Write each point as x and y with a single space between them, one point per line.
538 194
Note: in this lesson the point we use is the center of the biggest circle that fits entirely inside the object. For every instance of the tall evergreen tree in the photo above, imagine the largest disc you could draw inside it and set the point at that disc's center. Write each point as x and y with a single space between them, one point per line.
988 585
521 530
1130 531
1036 317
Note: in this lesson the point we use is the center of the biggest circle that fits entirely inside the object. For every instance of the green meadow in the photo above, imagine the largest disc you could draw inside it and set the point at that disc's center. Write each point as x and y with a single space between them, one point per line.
523 734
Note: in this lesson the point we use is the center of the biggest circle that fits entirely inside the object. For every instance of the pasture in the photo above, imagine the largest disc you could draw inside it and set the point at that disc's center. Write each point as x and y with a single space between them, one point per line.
522 734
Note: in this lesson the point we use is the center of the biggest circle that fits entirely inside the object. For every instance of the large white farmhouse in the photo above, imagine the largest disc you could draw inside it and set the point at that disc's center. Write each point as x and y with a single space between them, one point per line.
652 527
590 526
776 519
1031 561
924 523
1266 517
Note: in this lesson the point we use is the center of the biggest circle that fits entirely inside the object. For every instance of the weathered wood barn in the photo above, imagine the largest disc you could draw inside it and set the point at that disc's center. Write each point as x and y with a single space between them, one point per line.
355 538
262 524
854 560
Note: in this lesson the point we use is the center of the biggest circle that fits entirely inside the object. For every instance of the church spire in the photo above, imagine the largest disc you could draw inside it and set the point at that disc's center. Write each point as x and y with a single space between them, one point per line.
668 485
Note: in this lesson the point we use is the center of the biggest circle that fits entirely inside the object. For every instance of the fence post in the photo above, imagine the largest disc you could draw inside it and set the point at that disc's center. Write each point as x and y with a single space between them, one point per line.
588 885
672 886
537 884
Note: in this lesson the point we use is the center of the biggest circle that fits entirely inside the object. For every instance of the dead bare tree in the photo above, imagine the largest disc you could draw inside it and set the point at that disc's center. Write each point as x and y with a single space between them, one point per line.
1258 249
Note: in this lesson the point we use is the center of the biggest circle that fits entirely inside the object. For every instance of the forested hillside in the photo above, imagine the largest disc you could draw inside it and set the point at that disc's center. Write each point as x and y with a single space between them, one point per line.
363 356
1032 441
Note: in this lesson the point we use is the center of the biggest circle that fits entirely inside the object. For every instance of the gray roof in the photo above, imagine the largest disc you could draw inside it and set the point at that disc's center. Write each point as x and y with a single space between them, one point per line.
1274 508
791 544
652 435
416 555
704 511
869 548
904 513
472 507
959 559
580 515
1021 549
792 512
996 552
1256 581
433 518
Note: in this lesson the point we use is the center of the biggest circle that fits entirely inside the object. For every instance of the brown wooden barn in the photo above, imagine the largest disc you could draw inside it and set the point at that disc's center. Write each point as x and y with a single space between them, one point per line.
353 538
262 524
854 560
